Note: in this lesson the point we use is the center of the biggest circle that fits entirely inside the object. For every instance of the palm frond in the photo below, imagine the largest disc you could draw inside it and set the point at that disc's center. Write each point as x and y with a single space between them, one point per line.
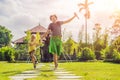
90 3
82 8
81 4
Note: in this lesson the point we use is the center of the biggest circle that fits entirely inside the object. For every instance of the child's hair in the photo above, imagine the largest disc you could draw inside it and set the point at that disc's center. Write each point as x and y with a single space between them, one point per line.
52 16
33 36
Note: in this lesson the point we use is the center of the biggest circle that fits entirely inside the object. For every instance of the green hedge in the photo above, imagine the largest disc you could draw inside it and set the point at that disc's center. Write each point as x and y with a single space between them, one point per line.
99 55
112 55
116 56
7 54
87 54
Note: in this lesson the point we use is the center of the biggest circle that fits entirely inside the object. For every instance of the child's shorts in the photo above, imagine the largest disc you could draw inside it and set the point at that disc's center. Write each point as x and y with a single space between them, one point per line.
31 53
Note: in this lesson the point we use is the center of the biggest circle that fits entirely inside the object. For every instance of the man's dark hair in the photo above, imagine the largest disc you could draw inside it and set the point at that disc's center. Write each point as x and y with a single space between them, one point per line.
52 16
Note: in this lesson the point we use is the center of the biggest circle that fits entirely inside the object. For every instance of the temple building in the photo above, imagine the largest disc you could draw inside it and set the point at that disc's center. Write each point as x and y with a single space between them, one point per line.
44 54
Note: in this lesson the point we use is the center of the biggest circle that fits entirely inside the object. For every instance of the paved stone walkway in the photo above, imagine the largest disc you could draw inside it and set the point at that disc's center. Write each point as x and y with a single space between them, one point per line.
27 74
65 75
60 73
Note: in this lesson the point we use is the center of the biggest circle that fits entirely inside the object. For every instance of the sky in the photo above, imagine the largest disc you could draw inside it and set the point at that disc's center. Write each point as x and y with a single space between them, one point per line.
21 15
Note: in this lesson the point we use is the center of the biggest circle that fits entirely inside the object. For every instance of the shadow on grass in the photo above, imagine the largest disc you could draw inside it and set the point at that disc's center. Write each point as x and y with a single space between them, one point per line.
9 73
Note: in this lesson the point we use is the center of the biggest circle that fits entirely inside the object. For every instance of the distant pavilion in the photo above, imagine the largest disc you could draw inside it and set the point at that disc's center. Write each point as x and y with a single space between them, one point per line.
34 30
45 56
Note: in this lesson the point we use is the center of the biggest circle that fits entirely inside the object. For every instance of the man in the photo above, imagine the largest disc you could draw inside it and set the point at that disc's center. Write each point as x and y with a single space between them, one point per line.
54 29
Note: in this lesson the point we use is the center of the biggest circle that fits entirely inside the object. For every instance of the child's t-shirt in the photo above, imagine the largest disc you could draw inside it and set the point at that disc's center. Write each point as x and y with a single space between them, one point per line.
32 47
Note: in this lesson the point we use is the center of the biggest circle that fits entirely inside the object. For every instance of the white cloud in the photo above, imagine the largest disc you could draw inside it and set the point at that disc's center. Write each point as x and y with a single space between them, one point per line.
20 15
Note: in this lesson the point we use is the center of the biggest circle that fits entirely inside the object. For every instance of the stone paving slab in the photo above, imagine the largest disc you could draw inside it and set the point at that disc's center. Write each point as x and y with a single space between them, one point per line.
69 77
61 72
60 69
21 77
24 75
65 74
27 74
51 65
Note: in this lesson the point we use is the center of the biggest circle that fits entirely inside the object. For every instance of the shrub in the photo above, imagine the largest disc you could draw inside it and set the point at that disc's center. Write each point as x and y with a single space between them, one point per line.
1 55
7 54
108 53
99 55
116 56
78 55
87 54
112 55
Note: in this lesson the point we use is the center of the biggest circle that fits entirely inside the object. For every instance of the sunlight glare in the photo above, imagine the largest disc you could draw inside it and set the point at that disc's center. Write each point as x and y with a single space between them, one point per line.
103 5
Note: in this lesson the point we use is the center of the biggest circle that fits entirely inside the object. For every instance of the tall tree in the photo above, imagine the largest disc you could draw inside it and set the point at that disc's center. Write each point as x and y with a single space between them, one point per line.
28 36
106 38
38 38
97 30
81 34
69 46
116 24
80 38
116 43
5 36
27 39
85 6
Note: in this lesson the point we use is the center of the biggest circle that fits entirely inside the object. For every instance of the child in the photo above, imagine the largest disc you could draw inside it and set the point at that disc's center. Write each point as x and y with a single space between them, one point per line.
55 46
32 47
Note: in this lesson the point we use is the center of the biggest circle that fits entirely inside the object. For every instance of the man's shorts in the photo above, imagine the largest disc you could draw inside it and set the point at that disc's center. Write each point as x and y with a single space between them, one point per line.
55 46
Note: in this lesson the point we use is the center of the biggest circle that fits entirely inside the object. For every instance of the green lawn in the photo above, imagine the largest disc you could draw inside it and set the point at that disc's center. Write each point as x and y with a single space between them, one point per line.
94 70
8 69
89 70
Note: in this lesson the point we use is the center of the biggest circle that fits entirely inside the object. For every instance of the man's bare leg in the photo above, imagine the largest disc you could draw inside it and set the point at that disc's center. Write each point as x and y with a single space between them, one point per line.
55 59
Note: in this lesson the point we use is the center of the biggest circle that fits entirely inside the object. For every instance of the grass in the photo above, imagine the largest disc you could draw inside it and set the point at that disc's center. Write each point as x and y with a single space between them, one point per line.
89 70
9 69
94 70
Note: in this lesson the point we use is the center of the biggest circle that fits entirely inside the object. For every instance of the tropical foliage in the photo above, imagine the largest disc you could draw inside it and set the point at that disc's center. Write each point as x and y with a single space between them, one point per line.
5 36
102 47
69 46
85 6
21 52
7 53
87 54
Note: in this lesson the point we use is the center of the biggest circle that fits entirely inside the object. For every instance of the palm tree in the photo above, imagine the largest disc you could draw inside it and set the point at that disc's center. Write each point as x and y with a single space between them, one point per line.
97 29
84 6
116 24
